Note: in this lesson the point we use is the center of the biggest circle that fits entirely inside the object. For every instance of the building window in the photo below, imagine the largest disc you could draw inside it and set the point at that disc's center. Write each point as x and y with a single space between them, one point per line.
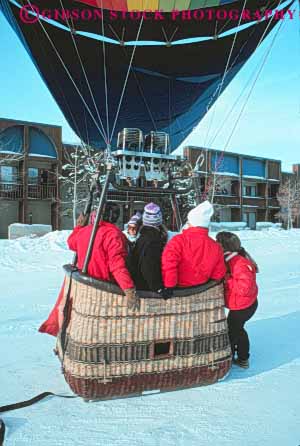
8 174
225 163
254 168
249 191
250 219
44 177
33 175
273 190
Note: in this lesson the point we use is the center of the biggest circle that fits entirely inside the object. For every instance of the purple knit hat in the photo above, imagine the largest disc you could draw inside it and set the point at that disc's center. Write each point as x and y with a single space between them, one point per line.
135 219
152 215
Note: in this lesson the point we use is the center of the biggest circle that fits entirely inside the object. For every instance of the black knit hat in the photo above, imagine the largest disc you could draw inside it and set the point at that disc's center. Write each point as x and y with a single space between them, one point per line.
111 212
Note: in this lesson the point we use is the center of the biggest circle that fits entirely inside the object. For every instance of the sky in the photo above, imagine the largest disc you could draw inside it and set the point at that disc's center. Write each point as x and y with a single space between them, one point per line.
269 125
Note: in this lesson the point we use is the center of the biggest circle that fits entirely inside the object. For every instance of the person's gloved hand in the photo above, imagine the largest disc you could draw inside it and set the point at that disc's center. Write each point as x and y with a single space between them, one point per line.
133 301
82 220
166 293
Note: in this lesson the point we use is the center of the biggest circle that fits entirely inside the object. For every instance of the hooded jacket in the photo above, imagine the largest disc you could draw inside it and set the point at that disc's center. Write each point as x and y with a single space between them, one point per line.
144 262
240 282
192 258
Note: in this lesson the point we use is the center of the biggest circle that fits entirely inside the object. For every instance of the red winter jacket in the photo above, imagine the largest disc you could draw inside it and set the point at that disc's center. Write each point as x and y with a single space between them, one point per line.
108 256
107 262
53 324
240 284
192 258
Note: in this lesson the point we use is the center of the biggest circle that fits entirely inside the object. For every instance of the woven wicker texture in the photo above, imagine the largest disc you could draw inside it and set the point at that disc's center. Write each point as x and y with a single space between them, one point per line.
136 384
108 343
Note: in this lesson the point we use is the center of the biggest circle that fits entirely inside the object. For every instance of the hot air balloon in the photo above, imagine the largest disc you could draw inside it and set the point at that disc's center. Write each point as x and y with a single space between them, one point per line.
110 65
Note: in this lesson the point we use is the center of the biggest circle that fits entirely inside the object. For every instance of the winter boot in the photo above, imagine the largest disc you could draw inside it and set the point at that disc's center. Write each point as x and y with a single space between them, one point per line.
2 432
243 363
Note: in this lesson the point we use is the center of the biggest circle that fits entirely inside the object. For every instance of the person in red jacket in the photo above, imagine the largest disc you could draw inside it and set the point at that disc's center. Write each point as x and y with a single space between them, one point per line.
192 257
109 253
240 294
107 261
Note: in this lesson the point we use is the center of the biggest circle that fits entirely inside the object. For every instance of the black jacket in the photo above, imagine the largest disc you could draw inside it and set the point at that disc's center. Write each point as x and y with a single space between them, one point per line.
144 263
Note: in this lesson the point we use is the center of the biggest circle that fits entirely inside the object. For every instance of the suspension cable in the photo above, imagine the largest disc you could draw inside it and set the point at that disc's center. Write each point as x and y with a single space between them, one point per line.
220 85
61 92
69 74
220 158
259 42
241 49
253 85
136 78
83 69
105 74
243 108
126 79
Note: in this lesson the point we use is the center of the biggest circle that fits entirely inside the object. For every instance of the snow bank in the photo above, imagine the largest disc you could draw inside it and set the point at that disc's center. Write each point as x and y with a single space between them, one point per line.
171 234
52 241
254 407
226 225
34 253
267 225
16 230
240 226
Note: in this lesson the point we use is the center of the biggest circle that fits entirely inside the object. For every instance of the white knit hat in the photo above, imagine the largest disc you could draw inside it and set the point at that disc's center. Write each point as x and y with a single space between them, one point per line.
201 214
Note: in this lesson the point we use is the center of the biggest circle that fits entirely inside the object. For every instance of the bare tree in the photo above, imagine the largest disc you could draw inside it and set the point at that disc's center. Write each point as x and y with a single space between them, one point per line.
289 201
8 158
82 163
9 151
9 174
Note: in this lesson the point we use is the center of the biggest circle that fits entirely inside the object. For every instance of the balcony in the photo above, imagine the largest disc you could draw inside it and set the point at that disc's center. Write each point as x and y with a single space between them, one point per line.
254 201
14 191
11 191
273 202
227 200
42 191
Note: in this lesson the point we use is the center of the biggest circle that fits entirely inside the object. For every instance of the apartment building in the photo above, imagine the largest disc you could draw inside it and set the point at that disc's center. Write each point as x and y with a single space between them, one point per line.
291 178
30 164
245 186
32 154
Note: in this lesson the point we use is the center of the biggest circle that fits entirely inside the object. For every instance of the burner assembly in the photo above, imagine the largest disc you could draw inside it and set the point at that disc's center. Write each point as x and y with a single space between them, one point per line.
145 158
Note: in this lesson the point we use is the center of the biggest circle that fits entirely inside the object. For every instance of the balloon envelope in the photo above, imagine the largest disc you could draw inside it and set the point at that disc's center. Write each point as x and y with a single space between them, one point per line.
170 84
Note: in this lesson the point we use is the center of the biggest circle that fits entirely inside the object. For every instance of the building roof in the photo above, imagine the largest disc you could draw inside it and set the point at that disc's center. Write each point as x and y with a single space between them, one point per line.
232 153
18 121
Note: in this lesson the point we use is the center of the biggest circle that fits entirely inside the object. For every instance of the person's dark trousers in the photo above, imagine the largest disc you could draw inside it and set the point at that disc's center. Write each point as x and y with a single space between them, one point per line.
237 334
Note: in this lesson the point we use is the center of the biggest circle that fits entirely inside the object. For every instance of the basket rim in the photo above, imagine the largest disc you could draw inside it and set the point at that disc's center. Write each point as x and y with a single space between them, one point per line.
115 289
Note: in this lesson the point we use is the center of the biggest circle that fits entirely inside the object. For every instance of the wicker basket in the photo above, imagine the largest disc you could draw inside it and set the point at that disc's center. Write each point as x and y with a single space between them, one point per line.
111 351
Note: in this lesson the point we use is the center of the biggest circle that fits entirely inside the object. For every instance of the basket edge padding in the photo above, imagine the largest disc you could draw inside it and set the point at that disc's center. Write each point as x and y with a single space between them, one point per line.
137 384
112 288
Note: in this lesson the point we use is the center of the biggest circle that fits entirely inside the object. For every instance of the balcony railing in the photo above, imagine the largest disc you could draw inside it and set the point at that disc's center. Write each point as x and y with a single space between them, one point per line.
42 191
227 199
254 201
15 191
11 191
273 202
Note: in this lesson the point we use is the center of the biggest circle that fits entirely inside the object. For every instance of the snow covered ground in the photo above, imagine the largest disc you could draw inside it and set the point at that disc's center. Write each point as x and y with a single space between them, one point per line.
259 406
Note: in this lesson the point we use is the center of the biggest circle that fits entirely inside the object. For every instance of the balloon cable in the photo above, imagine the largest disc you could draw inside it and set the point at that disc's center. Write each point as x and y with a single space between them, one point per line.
126 79
83 69
261 39
70 76
220 85
220 159
105 77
